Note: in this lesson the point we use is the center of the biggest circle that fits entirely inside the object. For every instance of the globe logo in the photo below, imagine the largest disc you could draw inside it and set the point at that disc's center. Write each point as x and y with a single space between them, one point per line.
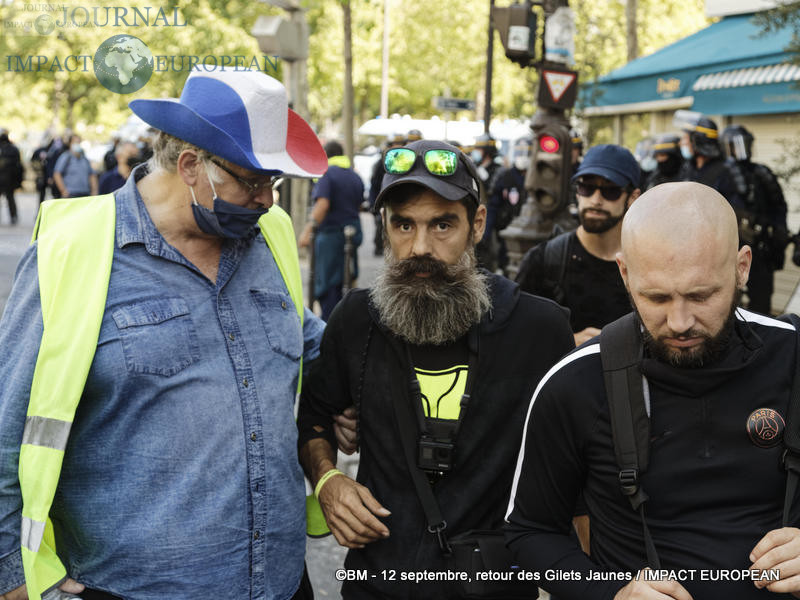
44 24
123 64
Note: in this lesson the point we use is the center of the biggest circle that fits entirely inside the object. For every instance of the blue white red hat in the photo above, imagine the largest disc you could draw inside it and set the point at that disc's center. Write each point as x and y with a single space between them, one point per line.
242 116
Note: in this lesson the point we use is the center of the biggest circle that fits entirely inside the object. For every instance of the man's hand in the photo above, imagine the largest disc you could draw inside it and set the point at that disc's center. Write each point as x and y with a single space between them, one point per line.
350 511
585 335
344 426
779 549
638 589
305 236
21 593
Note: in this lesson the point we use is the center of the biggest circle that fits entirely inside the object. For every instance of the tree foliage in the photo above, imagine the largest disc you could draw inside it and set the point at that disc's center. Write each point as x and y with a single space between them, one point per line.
435 50
786 14
48 96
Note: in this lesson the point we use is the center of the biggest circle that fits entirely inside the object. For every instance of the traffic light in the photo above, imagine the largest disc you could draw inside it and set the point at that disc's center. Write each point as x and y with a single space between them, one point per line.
547 179
516 25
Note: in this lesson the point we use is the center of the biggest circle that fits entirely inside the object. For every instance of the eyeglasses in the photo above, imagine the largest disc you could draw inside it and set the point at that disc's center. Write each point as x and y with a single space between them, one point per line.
398 161
253 189
609 192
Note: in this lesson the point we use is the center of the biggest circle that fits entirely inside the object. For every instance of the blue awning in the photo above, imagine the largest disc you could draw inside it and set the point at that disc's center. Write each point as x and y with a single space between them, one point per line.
726 68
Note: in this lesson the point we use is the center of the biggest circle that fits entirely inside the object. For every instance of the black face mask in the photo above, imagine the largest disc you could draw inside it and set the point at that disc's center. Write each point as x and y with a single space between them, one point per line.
670 166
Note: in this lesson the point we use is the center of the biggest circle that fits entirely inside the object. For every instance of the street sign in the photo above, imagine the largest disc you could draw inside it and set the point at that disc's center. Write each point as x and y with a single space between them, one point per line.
558 88
559 36
453 103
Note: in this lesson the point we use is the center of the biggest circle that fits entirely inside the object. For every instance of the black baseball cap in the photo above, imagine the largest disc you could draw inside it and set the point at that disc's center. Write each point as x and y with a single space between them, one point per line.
461 184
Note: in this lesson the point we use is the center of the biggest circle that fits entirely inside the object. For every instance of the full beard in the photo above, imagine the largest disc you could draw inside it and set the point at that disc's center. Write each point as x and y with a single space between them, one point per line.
594 225
435 309
705 353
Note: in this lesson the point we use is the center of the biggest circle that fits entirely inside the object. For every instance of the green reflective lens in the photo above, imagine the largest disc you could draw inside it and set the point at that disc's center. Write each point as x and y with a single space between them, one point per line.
441 162
399 161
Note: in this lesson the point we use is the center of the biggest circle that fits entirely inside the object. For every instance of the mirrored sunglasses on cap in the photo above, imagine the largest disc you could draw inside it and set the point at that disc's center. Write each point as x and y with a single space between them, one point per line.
399 161
609 192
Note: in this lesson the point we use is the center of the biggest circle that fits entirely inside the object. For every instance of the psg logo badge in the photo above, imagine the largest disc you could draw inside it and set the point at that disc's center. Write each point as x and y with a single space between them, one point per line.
765 427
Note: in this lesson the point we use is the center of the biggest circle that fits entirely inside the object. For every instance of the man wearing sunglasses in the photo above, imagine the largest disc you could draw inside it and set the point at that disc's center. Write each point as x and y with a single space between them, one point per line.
578 269
152 347
450 344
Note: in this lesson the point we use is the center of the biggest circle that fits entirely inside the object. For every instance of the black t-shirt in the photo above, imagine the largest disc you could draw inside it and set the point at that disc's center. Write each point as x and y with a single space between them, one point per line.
442 374
592 287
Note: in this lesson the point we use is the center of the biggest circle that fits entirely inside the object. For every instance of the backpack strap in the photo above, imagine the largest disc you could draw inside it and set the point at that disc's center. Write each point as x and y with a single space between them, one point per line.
791 433
621 354
556 252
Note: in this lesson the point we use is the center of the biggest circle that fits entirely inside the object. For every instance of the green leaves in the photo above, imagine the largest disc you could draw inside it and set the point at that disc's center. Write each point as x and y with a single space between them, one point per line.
435 50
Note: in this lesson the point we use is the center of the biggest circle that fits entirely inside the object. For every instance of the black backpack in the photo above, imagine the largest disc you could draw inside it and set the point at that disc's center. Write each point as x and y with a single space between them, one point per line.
621 353
552 268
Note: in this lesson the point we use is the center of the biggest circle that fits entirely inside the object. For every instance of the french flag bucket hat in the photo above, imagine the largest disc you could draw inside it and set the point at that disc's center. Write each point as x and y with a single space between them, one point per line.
242 116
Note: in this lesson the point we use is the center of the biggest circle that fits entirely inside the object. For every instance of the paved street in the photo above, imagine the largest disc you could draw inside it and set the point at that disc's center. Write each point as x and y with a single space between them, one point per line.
14 239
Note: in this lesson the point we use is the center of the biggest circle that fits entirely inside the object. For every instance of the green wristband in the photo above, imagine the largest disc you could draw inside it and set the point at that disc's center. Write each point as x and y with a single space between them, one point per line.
324 479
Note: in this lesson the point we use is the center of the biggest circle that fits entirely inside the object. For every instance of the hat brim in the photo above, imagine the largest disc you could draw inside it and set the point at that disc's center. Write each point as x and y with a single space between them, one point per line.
610 174
438 185
303 157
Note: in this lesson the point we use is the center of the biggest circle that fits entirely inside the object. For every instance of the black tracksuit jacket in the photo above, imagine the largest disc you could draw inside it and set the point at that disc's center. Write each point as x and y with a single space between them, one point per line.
713 492
520 338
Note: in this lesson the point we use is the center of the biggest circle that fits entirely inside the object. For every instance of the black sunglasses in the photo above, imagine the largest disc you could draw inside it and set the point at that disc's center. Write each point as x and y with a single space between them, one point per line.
254 189
609 192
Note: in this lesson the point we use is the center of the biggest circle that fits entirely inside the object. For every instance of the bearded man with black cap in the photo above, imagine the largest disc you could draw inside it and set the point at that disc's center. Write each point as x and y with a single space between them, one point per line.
152 347
438 355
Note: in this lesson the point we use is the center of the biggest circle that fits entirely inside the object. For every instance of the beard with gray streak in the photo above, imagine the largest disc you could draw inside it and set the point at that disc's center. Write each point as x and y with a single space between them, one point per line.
433 309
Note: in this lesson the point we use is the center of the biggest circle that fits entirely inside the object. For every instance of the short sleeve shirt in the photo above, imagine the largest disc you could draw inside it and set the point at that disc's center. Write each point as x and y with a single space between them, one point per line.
345 190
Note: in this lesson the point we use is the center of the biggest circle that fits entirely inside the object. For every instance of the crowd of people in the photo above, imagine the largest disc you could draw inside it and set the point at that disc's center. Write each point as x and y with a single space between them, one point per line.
155 344
60 169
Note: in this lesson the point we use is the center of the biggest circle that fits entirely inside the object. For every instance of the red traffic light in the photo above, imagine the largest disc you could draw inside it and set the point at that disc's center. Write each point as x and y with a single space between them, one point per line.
548 144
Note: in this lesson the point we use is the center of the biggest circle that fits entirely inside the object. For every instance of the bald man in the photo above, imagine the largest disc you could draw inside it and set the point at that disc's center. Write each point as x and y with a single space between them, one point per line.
712 374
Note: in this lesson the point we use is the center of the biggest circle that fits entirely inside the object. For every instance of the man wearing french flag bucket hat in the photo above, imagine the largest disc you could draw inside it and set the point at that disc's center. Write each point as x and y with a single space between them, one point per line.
152 349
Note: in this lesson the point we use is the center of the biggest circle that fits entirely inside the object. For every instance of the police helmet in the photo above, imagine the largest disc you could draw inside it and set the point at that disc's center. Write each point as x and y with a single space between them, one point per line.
413 135
737 142
667 143
395 139
703 132
486 143
577 140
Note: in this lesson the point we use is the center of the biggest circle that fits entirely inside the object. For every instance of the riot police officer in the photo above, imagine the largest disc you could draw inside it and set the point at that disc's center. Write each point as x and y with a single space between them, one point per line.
506 197
699 145
667 153
483 154
757 197
577 148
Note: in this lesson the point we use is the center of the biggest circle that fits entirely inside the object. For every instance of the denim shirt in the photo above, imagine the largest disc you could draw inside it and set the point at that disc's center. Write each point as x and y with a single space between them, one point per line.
180 478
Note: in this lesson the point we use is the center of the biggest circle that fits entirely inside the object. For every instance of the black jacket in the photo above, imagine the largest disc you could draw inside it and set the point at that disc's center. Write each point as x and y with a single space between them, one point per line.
714 491
11 170
519 340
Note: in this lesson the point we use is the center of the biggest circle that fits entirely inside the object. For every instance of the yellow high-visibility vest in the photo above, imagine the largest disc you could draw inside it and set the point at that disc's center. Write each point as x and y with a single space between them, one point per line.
75 239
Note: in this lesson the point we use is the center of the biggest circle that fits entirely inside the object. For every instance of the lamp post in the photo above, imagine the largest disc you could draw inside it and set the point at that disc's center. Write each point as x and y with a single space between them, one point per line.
547 186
